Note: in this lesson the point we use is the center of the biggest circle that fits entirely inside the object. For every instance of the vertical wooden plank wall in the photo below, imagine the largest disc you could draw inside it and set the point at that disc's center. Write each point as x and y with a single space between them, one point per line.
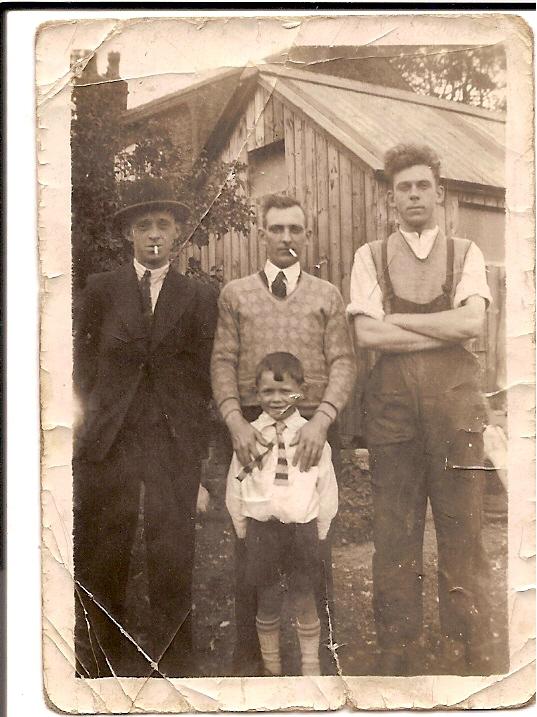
310 194
334 219
322 238
346 202
336 191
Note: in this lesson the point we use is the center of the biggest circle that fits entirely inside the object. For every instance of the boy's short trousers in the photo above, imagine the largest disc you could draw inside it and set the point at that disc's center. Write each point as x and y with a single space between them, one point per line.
273 548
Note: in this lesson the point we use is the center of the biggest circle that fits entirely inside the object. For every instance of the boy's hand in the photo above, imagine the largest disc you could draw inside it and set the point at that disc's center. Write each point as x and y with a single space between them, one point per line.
204 499
310 439
244 438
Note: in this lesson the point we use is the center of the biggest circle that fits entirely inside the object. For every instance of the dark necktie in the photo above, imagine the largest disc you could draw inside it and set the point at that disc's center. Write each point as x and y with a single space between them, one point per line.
147 308
279 287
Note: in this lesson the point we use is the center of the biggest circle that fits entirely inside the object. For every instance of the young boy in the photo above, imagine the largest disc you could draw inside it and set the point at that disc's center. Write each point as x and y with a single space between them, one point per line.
282 513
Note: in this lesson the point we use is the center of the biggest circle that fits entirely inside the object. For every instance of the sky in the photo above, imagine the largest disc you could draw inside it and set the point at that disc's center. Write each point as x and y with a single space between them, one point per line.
167 58
162 55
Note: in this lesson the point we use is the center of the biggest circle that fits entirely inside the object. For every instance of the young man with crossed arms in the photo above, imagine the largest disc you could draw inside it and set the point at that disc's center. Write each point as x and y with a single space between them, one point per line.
417 298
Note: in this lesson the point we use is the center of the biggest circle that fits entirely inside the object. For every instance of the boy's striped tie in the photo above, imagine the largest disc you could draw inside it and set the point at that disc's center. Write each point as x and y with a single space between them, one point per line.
282 469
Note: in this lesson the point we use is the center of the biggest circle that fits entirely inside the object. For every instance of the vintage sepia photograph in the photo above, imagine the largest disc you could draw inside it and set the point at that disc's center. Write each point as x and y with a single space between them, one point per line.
290 387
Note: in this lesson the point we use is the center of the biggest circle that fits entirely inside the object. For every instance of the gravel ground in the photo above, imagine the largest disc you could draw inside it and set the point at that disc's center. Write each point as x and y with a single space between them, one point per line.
352 553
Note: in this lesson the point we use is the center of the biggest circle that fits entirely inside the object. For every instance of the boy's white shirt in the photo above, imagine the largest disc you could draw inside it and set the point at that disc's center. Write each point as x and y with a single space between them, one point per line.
307 495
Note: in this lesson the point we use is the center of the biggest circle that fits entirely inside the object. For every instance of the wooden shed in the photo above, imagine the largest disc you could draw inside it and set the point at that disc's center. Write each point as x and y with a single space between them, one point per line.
322 139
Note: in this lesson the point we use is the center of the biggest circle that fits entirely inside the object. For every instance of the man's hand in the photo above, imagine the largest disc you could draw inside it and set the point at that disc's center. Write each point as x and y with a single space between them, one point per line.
244 438
310 439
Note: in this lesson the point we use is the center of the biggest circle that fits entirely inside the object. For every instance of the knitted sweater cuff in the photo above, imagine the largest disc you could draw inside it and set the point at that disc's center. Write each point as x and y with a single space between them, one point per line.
328 409
229 405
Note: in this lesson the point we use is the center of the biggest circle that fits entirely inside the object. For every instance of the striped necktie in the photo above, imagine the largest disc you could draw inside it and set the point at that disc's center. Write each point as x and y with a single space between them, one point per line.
282 468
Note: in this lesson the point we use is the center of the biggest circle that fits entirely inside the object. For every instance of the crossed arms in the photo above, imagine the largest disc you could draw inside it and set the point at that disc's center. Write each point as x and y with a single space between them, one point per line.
404 333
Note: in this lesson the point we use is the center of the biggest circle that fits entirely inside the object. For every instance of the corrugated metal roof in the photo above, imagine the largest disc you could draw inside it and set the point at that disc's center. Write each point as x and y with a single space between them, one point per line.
369 120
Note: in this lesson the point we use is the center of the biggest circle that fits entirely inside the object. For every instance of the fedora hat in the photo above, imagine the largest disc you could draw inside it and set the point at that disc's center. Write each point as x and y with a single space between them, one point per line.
146 194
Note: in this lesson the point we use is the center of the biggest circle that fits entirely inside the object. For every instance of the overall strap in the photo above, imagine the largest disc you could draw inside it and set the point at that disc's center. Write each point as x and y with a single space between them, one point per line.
390 293
450 268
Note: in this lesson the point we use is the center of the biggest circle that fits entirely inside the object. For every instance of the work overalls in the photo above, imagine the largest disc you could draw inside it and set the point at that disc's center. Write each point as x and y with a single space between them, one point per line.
425 415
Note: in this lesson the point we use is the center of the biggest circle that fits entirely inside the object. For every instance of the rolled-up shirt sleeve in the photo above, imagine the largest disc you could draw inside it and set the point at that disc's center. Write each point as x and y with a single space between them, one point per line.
365 292
473 280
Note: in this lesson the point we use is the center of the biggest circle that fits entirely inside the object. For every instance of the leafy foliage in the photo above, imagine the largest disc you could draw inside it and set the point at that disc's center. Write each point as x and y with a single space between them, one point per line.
472 75
215 191
95 140
214 279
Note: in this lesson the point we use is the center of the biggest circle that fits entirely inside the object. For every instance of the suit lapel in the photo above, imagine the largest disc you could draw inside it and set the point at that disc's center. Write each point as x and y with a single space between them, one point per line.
175 296
127 301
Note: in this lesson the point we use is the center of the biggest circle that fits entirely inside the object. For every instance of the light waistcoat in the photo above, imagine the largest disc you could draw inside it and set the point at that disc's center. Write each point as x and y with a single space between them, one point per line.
414 279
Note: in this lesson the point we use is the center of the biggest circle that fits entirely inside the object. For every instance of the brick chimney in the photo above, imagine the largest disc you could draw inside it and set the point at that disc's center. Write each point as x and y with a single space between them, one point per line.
85 72
112 73
115 91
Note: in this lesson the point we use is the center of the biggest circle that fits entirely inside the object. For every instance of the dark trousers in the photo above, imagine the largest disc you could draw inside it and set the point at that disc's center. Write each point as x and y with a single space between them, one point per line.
424 420
247 655
401 486
107 510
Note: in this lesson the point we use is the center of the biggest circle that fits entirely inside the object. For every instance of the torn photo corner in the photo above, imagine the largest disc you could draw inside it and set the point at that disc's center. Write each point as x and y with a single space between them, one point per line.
213 189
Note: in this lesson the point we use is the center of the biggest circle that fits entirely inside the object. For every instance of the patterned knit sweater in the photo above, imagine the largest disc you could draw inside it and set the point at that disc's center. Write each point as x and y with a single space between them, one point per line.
310 323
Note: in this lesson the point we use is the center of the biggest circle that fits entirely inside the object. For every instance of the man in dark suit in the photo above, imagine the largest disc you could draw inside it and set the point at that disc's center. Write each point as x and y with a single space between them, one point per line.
143 339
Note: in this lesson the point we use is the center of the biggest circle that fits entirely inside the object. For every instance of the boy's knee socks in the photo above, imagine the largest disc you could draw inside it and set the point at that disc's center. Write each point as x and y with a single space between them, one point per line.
309 636
268 632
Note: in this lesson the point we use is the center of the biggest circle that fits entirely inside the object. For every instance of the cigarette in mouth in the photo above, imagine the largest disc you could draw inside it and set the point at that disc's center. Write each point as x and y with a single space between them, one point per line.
293 253
155 250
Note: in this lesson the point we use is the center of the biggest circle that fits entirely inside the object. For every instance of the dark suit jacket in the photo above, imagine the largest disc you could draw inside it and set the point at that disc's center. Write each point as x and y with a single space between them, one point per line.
113 354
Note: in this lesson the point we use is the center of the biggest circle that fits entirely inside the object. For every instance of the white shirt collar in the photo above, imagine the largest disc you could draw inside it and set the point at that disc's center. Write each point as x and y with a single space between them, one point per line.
291 273
156 274
421 244
293 420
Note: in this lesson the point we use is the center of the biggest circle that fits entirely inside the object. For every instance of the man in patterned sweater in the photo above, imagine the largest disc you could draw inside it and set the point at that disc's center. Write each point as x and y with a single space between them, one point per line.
281 308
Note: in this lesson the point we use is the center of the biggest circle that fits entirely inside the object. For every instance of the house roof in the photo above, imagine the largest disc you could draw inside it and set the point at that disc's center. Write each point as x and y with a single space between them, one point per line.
172 99
369 119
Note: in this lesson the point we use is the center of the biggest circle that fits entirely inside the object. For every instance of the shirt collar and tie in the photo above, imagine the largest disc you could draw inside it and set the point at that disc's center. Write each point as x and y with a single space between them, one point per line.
282 282
421 244
281 476
151 284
